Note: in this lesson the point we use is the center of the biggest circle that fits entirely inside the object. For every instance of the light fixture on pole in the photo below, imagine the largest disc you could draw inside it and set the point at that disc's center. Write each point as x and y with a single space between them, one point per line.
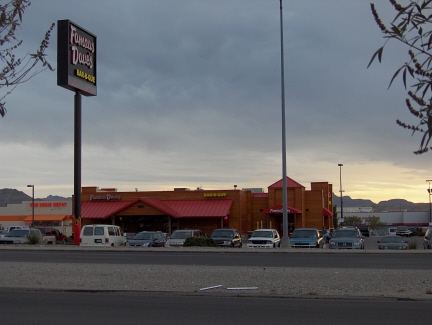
430 207
33 204
340 190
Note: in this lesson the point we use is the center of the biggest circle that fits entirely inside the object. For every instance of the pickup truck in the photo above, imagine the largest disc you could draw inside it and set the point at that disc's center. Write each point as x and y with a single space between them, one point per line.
403 231
24 236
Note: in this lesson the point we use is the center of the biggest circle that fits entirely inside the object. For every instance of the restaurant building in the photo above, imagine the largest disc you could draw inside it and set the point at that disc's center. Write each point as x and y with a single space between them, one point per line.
182 208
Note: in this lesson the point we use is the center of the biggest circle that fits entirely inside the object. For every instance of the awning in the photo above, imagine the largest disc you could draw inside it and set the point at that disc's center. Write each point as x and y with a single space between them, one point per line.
173 208
200 208
278 209
161 206
102 210
327 212
48 217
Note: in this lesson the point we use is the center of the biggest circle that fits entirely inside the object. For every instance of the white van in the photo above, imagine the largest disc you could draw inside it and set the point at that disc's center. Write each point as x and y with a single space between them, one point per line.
102 235
391 231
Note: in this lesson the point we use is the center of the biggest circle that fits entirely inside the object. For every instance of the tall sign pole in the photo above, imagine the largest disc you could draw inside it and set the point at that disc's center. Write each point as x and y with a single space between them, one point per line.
430 204
76 71
285 239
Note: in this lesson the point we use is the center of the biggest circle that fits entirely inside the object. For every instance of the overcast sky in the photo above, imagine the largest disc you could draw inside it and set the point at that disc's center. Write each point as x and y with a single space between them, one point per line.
189 95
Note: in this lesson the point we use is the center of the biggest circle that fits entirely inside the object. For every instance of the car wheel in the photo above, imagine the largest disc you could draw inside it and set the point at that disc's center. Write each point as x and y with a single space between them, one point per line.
241 244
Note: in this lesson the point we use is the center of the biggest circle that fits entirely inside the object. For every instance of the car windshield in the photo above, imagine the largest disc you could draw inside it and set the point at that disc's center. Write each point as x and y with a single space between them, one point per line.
392 239
223 233
144 236
262 233
346 233
18 233
181 234
301 233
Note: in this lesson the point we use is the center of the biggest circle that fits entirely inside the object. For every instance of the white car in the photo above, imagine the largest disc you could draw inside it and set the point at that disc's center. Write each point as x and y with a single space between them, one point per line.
264 238
403 231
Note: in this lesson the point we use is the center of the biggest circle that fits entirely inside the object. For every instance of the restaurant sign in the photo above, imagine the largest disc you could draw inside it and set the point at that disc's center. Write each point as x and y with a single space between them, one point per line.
76 58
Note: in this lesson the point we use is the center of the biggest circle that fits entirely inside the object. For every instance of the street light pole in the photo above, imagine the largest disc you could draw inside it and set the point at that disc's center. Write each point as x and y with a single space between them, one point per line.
340 190
32 186
430 207
285 239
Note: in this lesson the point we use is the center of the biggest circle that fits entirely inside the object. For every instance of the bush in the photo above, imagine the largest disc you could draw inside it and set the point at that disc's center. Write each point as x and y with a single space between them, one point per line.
201 242
33 239
412 245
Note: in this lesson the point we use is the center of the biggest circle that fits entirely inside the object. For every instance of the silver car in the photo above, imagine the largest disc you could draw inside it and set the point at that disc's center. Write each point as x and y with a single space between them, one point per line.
178 237
22 236
347 238
392 242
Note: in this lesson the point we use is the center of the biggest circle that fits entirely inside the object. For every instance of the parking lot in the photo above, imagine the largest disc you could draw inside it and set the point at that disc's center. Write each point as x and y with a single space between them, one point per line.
371 242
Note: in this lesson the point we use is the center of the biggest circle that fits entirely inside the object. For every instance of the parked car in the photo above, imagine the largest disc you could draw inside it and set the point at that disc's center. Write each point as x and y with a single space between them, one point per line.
7 229
427 241
264 238
178 237
227 237
51 231
23 236
364 230
347 238
392 242
306 238
129 236
403 231
392 231
147 239
102 235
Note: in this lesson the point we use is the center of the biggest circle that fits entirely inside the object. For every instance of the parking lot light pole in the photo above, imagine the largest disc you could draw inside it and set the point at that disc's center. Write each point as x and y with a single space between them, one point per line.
340 190
32 186
430 207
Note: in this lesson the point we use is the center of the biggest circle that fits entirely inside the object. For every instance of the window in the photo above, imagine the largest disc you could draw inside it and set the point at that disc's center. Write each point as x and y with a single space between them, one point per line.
88 231
99 231
111 231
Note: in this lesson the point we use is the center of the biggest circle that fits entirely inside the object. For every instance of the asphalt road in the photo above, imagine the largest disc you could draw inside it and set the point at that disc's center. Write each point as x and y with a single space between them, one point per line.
39 307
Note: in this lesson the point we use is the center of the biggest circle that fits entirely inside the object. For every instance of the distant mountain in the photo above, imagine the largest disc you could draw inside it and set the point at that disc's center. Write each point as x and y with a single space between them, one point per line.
12 196
389 205
57 198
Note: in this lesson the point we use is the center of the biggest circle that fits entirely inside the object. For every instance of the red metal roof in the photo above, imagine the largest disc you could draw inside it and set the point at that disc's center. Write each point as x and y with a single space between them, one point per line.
290 184
201 208
327 212
278 209
176 209
161 206
102 210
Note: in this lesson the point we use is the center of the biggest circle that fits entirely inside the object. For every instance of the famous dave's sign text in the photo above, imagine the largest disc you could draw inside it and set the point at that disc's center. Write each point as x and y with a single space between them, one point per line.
76 58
